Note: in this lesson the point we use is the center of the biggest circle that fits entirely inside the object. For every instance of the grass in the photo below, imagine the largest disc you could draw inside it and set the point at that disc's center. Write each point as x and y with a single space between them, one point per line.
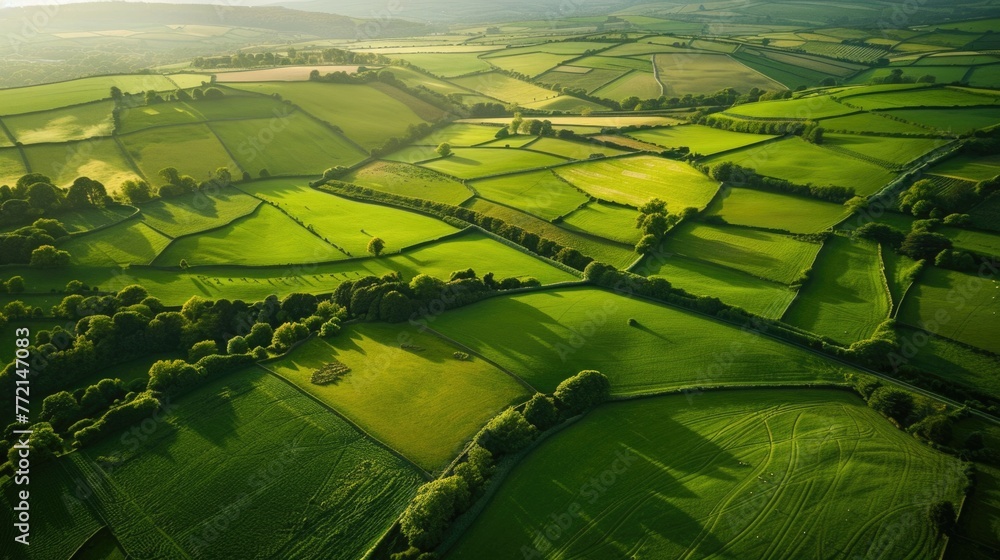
76 221
597 122
60 94
409 180
573 150
805 108
187 214
192 149
565 103
897 269
469 163
349 224
955 305
460 135
295 145
703 140
969 167
763 297
509 90
413 78
691 73
239 106
636 180
572 77
741 474
609 221
979 242
986 214
413 154
871 122
548 336
275 454
100 159
126 243
954 121
952 362
539 193
62 125
845 299
643 85
800 162
11 166
795 214
421 400
530 64
368 114
767 255
937 97
447 65
898 151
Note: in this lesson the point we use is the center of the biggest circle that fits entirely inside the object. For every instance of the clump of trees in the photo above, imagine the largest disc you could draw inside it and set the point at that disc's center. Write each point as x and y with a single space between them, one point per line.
737 175
654 222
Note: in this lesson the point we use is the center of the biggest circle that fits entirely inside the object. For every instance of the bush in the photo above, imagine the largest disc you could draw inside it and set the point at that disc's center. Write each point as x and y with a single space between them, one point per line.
508 432
437 502
237 345
892 403
582 391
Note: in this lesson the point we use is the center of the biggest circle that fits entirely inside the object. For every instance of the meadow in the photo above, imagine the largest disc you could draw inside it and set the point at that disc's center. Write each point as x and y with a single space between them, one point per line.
236 105
895 151
545 337
573 150
62 125
191 149
955 305
60 94
610 221
845 298
98 158
872 122
447 65
470 163
637 83
461 134
979 242
11 166
951 361
795 214
635 180
409 180
806 108
703 140
503 88
126 243
953 121
587 79
418 399
694 73
187 214
726 473
937 97
539 193
78 221
531 64
970 168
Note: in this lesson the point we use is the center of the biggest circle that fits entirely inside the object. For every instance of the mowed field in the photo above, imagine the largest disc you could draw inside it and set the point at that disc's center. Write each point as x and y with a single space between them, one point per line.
130 242
636 180
192 149
956 305
846 296
540 193
469 163
60 94
694 73
420 400
409 180
187 214
703 140
796 214
729 474
548 336
897 151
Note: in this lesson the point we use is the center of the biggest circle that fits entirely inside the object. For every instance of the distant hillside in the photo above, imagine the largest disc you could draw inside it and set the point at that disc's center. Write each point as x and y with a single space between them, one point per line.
465 10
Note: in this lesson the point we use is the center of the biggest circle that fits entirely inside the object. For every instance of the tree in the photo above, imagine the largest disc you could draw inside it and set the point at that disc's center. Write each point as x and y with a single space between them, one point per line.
943 517
646 244
893 403
43 444
170 175
48 256
920 245
15 284
515 124
376 245
116 93
443 149
502 133
165 375
54 228
427 516
237 345
880 233
507 432
541 412
288 334
136 191
582 391
202 349
43 196
394 307
60 409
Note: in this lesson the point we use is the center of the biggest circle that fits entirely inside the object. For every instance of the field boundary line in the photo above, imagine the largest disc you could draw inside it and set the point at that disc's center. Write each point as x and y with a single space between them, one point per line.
885 282
452 341
798 291
232 158
8 133
128 157
172 238
425 474
564 267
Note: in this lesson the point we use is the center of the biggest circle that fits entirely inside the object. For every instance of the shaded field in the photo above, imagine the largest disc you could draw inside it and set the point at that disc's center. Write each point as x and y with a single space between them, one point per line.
956 305
100 159
126 243
196 212
951 361
62 125
899 151
609 221
955 121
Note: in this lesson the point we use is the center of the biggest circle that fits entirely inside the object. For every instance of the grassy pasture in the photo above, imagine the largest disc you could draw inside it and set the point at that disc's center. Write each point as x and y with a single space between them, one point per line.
130 242
588 80
897 268
969 167
899 151
956 305
635 180
573 150
99 158
598 122
414 78
296 145
11 166
469 163
85 220
509 90
539 193
937 97
422 400
807 108
971 240
643 85
800 162
187 214
347 223
409 180
985 76
234 106
548 336
615 63
460 135
942 74
703 140
62 125
741 474
767 255
954 121
565 103
951 361
986 214
368 114
751 207
413 154
789 75
845 298
447 65
871 122
609 221
684 73
192 149
756 295
60 94
531 64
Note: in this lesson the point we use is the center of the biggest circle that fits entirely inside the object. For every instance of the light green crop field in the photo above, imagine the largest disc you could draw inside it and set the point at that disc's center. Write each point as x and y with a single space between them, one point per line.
604 250
951 361
192 149
84 90
100 159
762 254
187 214
499 86
565 103
574 150
955 121
556 47
971 240
296 145
347 223
597 122
969 167
409 180
85 220
899 151
368 114
469 163
636 180
265 237
233 106
800 162
956 305
871 122
540 193
684 73
413 78
796 214
419 400
615 63
11 166
807 108
942 74
461 134
530 64
937 97
609 221
643 85
447 65
756 295
728 474
548 336
571 77
413 154
276 455
130 242
703 140
845 297
62 125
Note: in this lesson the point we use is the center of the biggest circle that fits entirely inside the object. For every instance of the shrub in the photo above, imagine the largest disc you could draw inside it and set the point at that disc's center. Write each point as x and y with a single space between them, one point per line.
892 403
237 345
582 391
943 517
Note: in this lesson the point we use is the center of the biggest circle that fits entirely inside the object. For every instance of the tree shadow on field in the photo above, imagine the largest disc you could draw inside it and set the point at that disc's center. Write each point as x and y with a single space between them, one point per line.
216 419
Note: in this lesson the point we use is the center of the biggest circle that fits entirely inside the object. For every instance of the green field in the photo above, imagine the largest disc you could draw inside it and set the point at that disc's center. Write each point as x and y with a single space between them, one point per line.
951 361
62 125
531 64
509 90
694 73
447 65
187 214
469 163
637 83
77 221
460 135
609 221
99 158
800 162
986 214
547 336
573 150
295 145
130 242
871 122
976 241
897 269
729 474
956 305
539 193
795 214
192 149
61 94
937 97
635 180
413 154
414 78
703 140
763 254
845 299
419 400
11 166
409 180
954 121
969 167
897 151
805 108
587 79
756 295
564 103
239 106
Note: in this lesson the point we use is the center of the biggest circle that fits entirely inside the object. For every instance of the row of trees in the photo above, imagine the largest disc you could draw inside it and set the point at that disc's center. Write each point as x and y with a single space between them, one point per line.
737 175
34 196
